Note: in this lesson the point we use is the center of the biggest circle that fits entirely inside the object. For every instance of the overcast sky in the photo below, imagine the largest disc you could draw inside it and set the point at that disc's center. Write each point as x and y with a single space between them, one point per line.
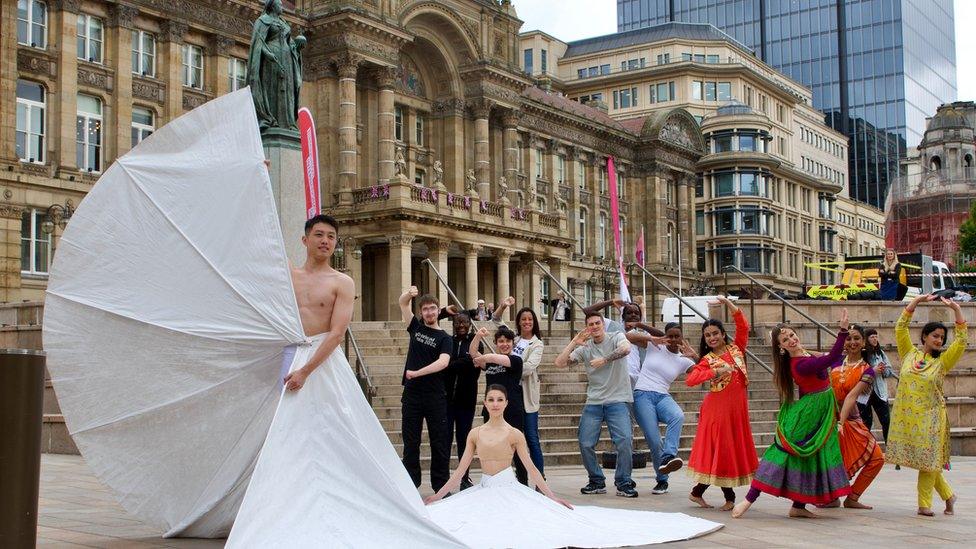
577 19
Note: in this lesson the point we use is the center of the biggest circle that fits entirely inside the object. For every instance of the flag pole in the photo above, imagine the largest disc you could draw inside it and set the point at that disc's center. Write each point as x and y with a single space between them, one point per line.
643 276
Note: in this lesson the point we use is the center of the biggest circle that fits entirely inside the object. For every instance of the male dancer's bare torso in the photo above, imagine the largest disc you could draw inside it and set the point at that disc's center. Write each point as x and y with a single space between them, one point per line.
316 294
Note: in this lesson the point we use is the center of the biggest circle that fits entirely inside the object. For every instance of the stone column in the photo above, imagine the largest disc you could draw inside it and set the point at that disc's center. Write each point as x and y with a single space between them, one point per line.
64 37
470 274
170 55
8 82
348 156
535 282
121 17
682 226
510 151
449 115
399 278
218 49
10 225
385 123
437 252
482 165
689 233
502 258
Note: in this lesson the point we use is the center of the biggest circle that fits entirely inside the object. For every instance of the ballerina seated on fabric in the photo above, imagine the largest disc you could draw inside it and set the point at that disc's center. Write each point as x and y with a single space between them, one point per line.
495 442
533 519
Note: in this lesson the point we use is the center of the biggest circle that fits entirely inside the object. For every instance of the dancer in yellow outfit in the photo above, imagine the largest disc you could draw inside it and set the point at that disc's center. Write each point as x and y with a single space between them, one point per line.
919 434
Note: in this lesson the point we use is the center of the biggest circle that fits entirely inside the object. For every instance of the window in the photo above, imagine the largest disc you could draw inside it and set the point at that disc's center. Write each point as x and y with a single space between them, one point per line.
806 233
724 184
669 193
192 67
88 133
236 74
670 242
699 57
588 293
602 236
142 124
560 168
700 186
545 61
581 237
419 131
663 58
603 180
700 259
538 162
420 177
751 221
791 229
519 162
724 91
724 256
580 73
32 23
34 244
398 122
700 222
527 61
749 184
710 93
791 264
90 38
721 142
779 113
686 57
827 239
662 92
604 69
750 259
30 121
724 221
143 53
581 174
696 90
711 59
624 99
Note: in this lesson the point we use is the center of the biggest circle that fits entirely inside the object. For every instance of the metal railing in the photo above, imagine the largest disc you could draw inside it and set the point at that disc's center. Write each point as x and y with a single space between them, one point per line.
683 302
569 297
450 292
362 371
783 305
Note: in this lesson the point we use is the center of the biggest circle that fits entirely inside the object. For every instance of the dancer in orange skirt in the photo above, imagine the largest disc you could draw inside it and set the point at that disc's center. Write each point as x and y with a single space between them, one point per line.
724 453
858 446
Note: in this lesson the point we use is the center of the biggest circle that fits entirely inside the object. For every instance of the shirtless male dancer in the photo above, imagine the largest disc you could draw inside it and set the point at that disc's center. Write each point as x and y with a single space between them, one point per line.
325 296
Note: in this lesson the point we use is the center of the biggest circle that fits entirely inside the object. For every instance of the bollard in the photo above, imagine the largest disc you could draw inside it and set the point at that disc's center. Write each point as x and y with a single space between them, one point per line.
21 400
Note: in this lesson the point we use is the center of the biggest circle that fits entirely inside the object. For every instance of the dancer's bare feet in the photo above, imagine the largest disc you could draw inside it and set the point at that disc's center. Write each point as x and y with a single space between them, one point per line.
925 512
728 506
851 503
741 508
700 501
832 505
950 506
802 513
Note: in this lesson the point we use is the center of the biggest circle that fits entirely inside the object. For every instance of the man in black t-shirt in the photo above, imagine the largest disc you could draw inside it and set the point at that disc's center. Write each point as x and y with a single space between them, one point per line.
504 368
423 390
461 383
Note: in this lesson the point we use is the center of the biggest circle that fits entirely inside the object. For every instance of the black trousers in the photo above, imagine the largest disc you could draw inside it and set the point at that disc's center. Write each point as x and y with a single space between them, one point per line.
415 408
514 416
880 407
460 417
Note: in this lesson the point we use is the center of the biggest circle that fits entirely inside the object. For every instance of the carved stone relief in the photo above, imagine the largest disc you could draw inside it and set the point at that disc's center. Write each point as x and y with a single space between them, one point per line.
36 62
95 78
149 89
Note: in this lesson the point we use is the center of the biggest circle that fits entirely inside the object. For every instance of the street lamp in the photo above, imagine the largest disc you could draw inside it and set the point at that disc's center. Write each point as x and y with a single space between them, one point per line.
57 215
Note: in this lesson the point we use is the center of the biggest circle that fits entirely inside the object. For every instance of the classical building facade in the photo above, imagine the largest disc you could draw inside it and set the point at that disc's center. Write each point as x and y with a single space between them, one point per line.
771 188
434 144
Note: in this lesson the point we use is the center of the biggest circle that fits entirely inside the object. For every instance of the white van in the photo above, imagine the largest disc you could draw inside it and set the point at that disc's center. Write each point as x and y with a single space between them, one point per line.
669 309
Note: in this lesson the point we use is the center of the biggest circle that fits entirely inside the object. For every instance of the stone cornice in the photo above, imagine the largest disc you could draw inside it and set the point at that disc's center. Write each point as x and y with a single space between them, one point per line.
227 17
122 15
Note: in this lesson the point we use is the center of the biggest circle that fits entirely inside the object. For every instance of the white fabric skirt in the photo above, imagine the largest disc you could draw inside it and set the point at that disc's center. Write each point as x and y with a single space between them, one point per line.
501 513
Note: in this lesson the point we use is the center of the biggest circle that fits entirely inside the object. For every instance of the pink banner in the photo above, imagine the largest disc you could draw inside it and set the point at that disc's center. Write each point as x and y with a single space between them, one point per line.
615 223
310 163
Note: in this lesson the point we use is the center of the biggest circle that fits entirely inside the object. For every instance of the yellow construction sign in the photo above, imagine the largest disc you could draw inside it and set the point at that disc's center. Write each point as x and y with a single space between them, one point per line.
838 291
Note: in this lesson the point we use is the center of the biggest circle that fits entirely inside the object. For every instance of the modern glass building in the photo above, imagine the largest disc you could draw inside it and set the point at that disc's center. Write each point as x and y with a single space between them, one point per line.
877 68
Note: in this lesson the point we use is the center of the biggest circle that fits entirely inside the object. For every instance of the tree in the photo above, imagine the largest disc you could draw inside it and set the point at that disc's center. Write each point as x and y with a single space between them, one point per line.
967 237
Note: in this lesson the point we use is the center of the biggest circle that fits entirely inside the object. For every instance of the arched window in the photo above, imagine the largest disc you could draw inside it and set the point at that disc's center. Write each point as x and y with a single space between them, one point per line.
581 237
602 236
935 163
670 244
967 161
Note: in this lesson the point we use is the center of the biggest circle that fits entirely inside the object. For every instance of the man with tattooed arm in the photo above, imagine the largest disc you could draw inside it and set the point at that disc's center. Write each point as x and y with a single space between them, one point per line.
608 399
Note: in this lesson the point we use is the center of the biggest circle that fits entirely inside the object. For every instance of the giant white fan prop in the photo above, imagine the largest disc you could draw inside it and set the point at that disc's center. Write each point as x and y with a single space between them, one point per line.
168 308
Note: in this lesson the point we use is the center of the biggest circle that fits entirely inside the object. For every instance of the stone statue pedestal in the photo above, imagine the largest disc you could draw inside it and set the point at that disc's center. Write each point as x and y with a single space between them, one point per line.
283 148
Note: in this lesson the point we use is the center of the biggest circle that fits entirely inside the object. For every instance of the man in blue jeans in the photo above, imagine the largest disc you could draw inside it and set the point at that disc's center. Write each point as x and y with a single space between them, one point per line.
608 399
667 357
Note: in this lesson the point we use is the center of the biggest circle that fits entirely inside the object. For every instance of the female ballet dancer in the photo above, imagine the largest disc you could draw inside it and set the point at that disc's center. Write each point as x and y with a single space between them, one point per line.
500 512
804 462
919 433
860 450
724 452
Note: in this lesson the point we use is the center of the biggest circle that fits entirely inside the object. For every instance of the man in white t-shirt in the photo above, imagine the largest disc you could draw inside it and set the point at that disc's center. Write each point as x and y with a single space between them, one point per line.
666 358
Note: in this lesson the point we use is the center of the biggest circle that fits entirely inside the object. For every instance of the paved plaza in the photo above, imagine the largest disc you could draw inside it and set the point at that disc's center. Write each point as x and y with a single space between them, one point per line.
76 510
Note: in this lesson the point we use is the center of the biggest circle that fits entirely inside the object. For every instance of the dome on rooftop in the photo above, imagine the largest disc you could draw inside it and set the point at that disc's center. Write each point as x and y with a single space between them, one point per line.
948 116
734 108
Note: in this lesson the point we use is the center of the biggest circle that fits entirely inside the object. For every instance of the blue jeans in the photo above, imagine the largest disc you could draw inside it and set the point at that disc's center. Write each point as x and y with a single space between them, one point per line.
651 408
532 439
617 416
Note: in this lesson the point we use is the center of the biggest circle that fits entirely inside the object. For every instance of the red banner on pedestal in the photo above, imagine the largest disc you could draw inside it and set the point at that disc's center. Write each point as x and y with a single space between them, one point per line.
310 163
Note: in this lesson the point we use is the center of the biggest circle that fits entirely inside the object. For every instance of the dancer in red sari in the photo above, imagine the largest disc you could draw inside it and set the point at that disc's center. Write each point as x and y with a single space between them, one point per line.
724 453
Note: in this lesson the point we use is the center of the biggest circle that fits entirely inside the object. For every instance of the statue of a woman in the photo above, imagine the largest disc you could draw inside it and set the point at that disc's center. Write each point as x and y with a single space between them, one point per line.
274 69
